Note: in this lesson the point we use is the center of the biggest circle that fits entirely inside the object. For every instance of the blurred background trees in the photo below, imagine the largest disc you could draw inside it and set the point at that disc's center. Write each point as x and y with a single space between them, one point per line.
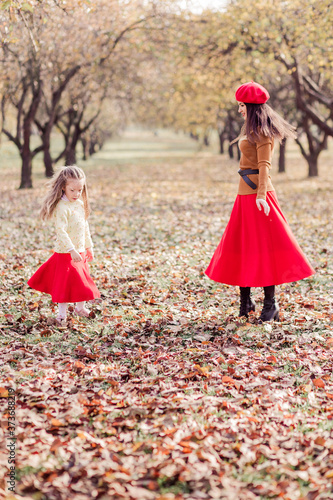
85 69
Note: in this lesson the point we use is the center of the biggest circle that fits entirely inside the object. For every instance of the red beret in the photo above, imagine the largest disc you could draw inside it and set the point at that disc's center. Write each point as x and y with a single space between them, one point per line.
252 93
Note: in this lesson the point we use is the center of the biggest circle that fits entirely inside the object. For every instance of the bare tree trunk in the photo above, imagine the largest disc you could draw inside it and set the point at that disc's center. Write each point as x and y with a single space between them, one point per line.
72 131
221 140
26 170
26 154
282 156
85 148
48 163
24 120
92 147
316 144
313 165
71 151
71 156
48 125
312 156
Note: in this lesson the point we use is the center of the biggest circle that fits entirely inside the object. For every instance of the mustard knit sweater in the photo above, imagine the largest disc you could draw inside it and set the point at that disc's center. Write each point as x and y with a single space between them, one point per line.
257 155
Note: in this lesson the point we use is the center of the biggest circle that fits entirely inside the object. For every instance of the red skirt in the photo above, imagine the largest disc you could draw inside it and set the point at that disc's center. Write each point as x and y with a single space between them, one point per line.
64 279
256 249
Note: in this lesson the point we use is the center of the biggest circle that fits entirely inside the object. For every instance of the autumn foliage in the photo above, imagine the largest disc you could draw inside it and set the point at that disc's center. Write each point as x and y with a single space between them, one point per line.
85 69
163 393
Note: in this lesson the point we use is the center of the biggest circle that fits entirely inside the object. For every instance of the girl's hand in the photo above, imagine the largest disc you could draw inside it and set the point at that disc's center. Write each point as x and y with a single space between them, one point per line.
75 256
90 254
263 203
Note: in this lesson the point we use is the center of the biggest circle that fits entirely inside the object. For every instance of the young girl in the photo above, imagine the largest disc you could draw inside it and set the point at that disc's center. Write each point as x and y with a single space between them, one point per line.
65 275
258 247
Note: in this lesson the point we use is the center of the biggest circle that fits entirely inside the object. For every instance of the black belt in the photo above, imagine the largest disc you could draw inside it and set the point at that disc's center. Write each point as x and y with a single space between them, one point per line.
245 172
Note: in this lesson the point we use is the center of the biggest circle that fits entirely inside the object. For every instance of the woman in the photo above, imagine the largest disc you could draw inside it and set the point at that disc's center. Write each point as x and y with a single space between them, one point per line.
258 247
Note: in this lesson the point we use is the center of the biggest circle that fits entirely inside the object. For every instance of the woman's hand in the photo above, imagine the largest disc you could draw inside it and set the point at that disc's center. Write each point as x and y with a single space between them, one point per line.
75 256
263 203
90 254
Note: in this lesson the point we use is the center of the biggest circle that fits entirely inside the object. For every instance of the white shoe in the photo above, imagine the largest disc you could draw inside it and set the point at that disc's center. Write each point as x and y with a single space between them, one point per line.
61 321
82 312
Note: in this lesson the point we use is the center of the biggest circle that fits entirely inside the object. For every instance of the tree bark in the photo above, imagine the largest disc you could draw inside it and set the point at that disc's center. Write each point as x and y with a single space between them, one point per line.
313 165
221 140
47 127
313 155
24 120
85 148
70 158
308 93
282 156
92 147
72 131
48 163
26 170
26 153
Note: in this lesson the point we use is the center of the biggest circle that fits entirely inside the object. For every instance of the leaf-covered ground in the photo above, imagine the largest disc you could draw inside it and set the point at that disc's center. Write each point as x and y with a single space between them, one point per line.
164 393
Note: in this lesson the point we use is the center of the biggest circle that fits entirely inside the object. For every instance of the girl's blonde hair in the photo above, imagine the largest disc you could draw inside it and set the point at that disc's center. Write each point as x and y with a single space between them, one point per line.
57 187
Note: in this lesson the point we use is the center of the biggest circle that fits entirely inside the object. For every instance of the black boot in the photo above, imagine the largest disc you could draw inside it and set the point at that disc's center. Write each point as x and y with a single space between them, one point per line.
271 309
246 303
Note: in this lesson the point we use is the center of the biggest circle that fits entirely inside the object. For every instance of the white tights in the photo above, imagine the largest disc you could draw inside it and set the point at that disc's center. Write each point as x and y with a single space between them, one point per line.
63 308
80 305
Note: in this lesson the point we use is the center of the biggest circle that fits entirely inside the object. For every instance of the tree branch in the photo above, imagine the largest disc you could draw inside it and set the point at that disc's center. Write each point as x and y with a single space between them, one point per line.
35 48
12 139
121 34
37 150
314 91
304 153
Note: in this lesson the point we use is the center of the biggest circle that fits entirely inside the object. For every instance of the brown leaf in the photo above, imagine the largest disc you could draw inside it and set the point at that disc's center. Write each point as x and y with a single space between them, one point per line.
46 333
228 380
3 392
271 359
318 382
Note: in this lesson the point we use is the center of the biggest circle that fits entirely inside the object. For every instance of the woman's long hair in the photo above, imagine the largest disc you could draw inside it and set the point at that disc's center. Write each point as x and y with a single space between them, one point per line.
57 187
263 120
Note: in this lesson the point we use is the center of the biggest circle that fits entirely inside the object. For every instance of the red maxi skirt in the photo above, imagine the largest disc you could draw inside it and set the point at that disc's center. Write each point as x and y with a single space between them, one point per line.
64 279
258 250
